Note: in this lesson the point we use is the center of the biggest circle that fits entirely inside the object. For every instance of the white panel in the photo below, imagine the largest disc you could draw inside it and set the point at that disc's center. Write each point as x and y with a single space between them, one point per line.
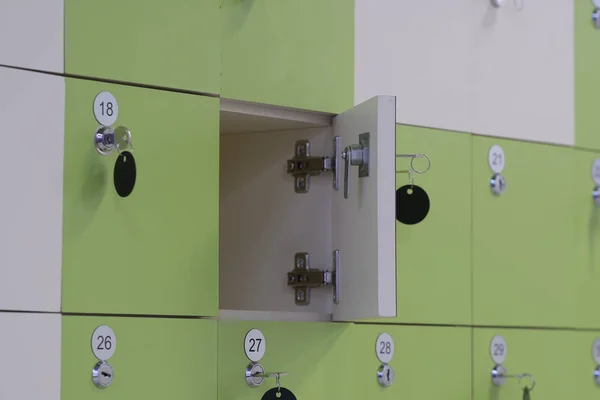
523 79
31 354
364 224
263 222
31 172
417 50
31 34
467 66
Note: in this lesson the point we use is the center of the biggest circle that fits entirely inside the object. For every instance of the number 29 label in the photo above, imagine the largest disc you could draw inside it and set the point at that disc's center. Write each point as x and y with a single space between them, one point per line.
498 349
104 343
255 345
384 348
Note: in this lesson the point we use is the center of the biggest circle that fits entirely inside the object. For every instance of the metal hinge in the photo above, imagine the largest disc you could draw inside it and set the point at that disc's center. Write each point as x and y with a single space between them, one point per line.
303 279
303 165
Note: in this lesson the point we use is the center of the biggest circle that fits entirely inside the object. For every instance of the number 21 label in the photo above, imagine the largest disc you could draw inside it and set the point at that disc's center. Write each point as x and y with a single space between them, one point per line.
104 343
496 159
498 349
106 109
596 351
384 348
255 345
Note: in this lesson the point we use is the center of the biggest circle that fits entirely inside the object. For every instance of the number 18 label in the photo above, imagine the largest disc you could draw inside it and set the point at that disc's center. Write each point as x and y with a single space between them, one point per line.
106 109
104 343
255 345
384 348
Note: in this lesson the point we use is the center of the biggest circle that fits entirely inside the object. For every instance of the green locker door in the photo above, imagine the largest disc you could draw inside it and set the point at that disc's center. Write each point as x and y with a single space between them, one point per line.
585 355
434 257
523 245
173 44
545 354
291 53
428 362
315 355
586 261
155 251
587 84
152 359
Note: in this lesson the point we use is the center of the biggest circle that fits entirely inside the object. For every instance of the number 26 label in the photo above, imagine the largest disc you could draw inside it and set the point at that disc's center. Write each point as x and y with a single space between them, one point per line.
255 345
104 343
384 348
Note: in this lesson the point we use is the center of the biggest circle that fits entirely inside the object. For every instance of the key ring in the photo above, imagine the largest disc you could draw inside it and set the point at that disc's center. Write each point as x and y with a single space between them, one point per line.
525 387
412 160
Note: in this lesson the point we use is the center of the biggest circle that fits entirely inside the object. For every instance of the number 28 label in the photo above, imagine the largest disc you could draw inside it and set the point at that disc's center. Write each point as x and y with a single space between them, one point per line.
104 343
498 349
384 348
255 345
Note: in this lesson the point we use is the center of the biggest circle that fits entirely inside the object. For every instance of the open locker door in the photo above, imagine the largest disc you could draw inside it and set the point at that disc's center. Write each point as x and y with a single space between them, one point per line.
364 211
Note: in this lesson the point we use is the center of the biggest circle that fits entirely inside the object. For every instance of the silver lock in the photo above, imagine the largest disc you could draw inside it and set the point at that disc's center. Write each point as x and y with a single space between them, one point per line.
499 375
597 375
385 375
103 374
255 374
596 18
107 140
498 184
358 155
596 195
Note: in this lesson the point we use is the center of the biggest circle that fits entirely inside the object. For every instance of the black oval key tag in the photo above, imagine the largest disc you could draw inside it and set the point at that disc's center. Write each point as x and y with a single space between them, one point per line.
124 174
412 204
279 394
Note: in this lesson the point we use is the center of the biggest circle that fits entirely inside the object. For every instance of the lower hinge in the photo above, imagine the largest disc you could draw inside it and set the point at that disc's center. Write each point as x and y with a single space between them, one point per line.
304 165
303 279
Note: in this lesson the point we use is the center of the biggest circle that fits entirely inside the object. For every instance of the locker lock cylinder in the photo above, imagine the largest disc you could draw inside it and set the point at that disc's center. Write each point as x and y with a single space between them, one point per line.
107 140
102 374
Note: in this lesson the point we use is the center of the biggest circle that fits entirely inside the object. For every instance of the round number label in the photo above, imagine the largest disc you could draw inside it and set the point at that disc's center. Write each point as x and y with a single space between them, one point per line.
104 343
596 3
384 348
596 171
498 349
596 351
106 109
255 345
496 159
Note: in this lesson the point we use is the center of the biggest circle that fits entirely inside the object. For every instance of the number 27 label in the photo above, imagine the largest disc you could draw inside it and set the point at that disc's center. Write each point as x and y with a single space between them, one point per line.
255 345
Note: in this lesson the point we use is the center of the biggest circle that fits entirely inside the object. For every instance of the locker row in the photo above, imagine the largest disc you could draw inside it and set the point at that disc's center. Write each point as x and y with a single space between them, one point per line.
261 51
213 224
53 357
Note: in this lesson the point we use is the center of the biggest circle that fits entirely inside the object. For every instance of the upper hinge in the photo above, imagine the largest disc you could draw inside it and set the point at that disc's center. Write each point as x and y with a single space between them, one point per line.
304 165
302 278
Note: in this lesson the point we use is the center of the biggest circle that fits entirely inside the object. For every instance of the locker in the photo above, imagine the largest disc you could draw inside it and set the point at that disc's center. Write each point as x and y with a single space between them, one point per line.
546 355
32 113
174 45
151 358
293 54
416 350
31 356
317 358
586 84
586 354
523 244
31 34
305 247
155 250
586 223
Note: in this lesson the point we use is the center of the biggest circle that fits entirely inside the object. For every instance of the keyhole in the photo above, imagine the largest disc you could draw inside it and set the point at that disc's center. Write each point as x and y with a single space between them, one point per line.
388 374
